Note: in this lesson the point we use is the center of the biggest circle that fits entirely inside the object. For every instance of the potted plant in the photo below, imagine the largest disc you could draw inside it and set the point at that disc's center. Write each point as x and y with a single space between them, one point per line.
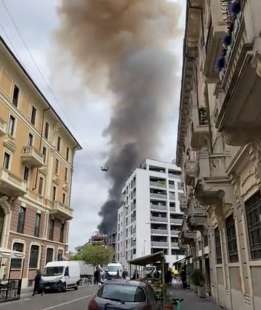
198 280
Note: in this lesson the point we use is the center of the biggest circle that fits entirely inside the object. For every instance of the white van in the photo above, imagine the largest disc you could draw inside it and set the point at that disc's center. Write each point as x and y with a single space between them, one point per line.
114 269
61 275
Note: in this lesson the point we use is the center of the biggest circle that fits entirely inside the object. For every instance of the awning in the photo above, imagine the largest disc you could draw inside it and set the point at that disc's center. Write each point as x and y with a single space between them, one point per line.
148 259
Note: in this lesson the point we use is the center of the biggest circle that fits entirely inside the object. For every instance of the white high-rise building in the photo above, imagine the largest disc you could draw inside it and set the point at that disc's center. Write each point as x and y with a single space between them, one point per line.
149 219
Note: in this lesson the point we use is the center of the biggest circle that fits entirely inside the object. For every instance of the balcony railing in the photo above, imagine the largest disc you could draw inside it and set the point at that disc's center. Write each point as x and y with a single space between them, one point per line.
160 244
159 219
3 127
30 156
159 231
174 245
172 197
158 196
10 184
62 211
158 184
158 207
176 221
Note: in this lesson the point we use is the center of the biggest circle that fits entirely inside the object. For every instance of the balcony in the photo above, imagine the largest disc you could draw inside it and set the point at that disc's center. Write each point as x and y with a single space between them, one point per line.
175 245
159 219
188 237
11 185
159 244
31 157
238 111
158 196
197 218
61 211
199 128
174 232
3 127
176 221
158 207
191 169
158 184
172 197
159 231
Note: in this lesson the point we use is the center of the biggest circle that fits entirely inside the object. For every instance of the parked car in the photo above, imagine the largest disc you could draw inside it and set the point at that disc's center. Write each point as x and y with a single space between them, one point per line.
124 294
61 275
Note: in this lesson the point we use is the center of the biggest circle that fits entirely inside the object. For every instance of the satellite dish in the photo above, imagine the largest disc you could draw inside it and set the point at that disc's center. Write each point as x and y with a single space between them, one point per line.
104 168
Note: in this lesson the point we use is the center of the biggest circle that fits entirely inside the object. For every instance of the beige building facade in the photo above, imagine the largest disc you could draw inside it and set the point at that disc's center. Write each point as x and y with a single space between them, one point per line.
36 164
219 148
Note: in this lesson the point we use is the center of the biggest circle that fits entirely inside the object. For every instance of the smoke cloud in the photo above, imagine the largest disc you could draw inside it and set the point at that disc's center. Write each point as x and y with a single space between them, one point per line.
123 44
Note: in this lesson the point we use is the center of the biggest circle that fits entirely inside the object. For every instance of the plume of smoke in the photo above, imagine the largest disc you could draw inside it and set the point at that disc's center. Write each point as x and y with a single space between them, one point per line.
124 42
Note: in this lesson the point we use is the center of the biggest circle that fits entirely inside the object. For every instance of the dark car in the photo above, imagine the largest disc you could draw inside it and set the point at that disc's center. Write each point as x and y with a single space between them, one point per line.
124 294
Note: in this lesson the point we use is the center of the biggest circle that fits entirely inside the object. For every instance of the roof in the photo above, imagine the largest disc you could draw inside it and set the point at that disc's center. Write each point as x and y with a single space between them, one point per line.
24 71
125 282
148 259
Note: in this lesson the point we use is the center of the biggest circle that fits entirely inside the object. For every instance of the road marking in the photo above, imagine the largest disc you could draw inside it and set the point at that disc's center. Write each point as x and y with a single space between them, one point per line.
67 302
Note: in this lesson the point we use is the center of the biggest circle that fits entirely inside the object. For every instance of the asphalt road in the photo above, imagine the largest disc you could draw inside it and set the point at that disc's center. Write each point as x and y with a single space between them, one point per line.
76 300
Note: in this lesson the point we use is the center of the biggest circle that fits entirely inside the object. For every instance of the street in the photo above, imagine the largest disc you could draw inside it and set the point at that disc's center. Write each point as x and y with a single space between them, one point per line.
76 300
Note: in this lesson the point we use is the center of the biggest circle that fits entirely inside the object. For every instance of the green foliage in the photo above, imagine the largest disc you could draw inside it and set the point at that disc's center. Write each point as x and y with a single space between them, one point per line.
197 278
95 254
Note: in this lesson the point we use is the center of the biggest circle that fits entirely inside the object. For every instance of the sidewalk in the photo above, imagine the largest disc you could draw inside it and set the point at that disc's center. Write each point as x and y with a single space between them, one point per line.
192 301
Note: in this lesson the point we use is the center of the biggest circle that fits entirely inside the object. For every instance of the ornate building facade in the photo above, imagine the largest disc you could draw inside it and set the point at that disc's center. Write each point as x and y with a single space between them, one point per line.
36 164
219 147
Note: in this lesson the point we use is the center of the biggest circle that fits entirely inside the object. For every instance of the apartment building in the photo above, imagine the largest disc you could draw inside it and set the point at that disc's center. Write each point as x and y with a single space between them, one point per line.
149 219
218 147
36 164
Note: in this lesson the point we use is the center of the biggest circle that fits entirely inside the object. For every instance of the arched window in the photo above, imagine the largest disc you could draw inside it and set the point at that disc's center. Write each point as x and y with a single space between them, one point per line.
16 260
49 255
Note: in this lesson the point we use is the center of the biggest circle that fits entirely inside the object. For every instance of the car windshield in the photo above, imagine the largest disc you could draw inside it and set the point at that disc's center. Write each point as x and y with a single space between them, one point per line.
53 271
123 293
113 268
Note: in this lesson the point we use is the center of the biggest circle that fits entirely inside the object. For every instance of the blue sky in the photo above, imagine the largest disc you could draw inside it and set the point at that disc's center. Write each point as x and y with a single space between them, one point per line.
28 27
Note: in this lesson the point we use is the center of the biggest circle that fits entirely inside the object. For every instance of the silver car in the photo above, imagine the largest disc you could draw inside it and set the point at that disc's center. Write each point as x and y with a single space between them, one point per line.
124 294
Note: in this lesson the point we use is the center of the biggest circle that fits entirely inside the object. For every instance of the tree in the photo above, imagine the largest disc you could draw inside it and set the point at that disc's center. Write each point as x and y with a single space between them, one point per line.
95 254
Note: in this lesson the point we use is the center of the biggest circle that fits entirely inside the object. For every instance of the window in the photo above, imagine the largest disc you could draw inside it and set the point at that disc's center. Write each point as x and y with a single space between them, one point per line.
16 262
65 174
62 232
60 255
231 240
26 173
34 255
46 130
21 220
6 163
58 144
218 247
44 154
66 272
51 229
37 225
11 125
64 198
33 115
30 139
49 255
40 187
253 215
15 96
67 153
56 166
54 193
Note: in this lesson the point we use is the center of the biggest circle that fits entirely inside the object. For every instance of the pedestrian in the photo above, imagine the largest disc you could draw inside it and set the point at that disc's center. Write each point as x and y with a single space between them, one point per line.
183 278
125 274
135 275
168 277
97 276
38 283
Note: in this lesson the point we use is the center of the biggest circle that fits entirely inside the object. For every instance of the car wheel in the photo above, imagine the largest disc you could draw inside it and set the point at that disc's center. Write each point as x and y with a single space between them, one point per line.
76 287
62 287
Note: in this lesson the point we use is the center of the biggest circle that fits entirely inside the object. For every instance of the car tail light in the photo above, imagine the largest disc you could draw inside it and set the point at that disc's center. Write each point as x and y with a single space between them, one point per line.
93 305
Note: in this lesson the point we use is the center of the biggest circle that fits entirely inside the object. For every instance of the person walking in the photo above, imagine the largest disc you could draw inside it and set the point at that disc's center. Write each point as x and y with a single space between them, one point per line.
97 276
37 283
125 274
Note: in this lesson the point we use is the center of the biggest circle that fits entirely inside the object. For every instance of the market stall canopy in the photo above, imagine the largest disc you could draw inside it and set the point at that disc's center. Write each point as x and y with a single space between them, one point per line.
148 259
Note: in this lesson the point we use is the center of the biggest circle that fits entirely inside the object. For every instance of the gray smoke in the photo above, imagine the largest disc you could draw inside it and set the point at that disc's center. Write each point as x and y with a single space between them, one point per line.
124 42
